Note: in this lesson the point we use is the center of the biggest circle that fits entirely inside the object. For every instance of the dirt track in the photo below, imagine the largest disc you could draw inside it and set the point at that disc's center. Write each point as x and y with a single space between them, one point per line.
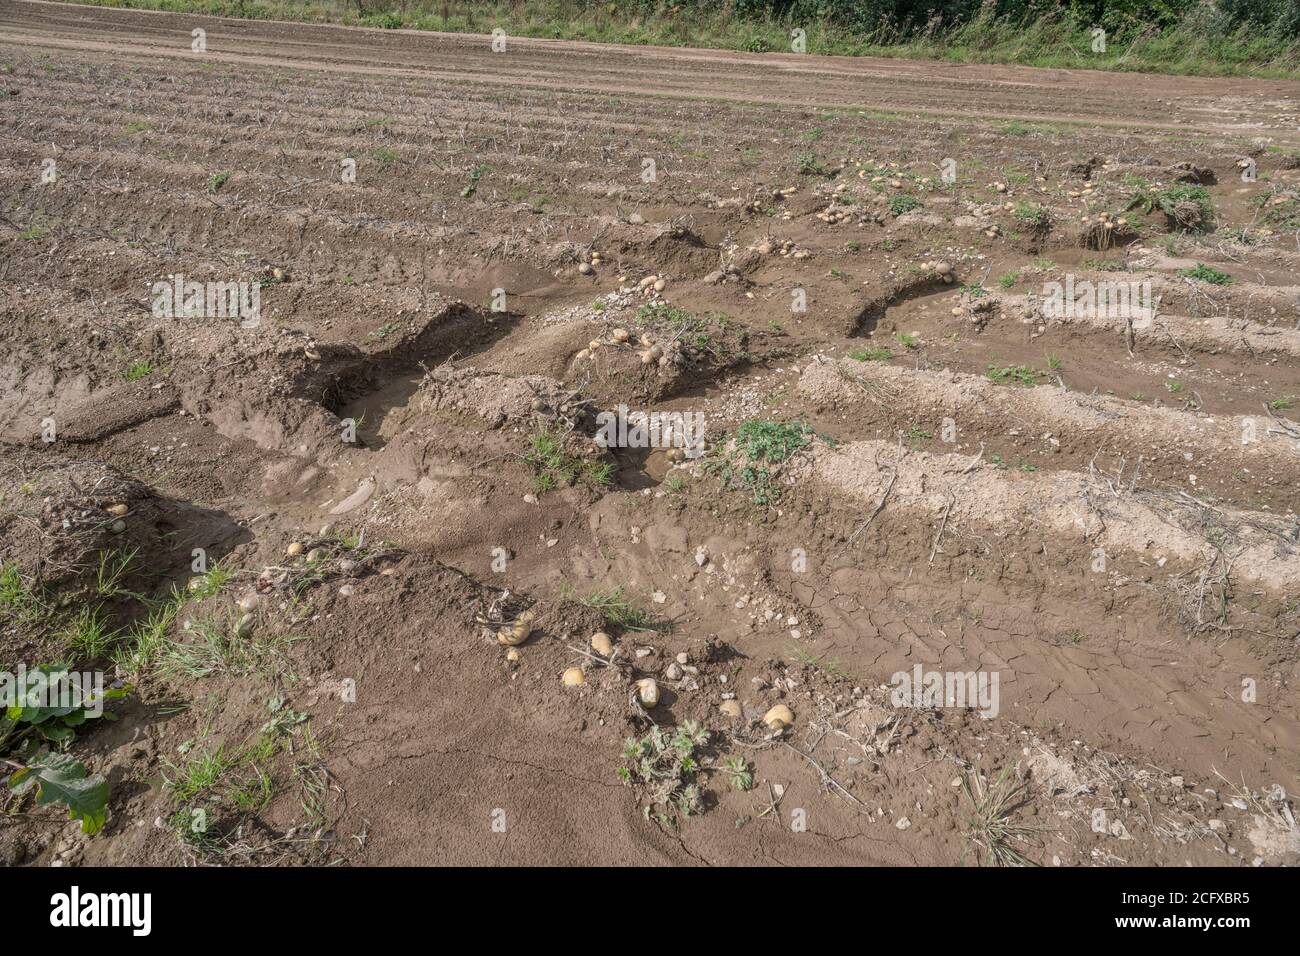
882 544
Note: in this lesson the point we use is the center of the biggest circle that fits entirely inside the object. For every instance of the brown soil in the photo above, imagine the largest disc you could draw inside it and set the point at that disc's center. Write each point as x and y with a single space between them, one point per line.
363 711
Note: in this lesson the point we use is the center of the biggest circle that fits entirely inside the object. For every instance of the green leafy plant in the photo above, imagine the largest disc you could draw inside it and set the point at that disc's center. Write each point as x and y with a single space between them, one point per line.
138 370
1281 211
471 187
552 465
1204 273
772 442
1012 375
1185 206
760 449
217 181
739 772
809 165
1035 217
49 706
59 778
664 765
902 203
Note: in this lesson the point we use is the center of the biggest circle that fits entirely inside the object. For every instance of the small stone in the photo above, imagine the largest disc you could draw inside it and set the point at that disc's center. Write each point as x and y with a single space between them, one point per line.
673 672
730 708
347 590
903 824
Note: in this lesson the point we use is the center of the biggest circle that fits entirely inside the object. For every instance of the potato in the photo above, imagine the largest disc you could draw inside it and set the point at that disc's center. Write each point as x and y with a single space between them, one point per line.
779 717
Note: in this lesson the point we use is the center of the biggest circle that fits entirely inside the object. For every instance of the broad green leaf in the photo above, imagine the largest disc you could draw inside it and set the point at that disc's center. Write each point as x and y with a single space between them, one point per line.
61 778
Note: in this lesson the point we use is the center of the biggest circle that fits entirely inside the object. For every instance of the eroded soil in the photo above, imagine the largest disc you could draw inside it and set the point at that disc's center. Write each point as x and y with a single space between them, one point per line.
1102 514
